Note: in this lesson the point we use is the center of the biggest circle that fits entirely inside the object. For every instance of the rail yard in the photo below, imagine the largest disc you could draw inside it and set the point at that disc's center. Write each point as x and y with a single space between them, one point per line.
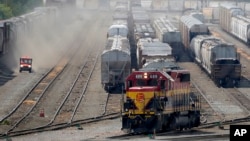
124 70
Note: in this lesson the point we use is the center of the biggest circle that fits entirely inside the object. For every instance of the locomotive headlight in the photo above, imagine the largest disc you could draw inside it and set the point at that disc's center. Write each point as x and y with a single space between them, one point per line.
145 75
21 66
29 66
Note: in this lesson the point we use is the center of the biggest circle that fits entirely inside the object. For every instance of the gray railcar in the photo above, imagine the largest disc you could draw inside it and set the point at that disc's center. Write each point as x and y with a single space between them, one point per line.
219 59
2 38
150 49
143 30
167 33
115 63
227 11
119 27
139 15
160 64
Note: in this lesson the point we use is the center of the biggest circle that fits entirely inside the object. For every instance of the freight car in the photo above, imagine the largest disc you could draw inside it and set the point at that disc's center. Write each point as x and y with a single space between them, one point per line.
159 100
141 24
167 33
143 30
241 28
161 64
189 28
119 27
150 49
227 11
139 15
115 63
219 59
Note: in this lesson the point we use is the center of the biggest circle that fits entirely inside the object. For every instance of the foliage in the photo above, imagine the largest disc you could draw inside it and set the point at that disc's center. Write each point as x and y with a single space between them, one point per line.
5 12
10 8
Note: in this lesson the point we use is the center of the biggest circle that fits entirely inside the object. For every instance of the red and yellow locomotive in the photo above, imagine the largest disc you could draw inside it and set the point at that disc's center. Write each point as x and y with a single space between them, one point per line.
158 101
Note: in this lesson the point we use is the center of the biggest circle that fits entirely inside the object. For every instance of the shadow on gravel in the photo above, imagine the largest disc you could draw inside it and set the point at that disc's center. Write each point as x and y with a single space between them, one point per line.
244 83
168 135
5 74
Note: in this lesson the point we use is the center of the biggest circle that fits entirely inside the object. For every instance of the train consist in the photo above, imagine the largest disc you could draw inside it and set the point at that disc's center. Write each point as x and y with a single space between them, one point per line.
190 27
141 24
168 33
219 59
233 21
11 30
159 100
116 58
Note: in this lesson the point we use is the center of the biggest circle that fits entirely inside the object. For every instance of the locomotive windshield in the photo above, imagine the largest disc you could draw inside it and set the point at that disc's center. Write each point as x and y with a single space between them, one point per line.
25 61
143 82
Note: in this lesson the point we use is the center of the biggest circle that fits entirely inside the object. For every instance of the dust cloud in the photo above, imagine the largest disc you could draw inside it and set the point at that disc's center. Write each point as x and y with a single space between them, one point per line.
45 41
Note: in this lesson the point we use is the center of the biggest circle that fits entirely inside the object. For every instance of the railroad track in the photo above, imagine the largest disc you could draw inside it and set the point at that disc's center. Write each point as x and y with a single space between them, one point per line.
74 96
207 107
76 123
242 100
113 104
173 135
31 99
17 116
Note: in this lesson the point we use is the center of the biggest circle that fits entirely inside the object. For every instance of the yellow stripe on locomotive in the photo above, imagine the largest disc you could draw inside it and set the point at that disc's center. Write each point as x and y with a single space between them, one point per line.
158 99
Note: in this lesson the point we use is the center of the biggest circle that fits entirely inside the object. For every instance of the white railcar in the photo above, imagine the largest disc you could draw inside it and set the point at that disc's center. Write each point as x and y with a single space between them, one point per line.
240 26
227 11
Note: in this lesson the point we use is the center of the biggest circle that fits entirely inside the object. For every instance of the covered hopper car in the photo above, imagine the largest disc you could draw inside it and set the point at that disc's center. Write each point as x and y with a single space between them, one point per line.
219 59
115 63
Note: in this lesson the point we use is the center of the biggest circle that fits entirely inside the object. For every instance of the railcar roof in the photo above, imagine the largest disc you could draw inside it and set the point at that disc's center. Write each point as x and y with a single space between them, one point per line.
190 21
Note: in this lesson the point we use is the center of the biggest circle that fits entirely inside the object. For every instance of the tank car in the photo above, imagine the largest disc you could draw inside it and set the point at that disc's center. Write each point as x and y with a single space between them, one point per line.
167 33
241 28
227 11
150 49
219 59
115 63
191 27
157 101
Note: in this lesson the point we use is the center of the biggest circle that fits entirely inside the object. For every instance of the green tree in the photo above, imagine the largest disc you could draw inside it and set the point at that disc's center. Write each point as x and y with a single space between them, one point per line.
19 7
5 12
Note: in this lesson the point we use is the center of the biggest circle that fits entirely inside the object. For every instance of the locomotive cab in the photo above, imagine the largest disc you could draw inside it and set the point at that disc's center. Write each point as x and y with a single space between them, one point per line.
25 64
